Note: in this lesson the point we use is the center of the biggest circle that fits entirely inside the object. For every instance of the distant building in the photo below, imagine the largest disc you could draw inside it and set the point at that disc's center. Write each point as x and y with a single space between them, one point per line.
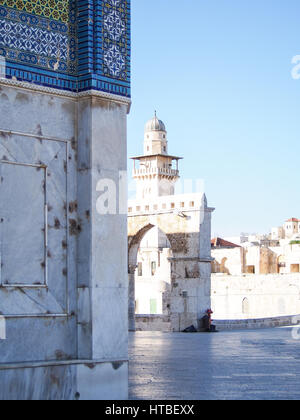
289 230
291 227
235 260
278 233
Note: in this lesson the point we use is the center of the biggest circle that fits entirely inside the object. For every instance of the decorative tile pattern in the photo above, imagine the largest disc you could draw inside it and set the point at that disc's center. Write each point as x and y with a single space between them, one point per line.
115 38
51 9
74 45
36 41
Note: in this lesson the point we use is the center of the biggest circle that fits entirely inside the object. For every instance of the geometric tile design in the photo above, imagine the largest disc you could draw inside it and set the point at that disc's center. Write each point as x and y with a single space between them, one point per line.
36 41
14 35
74 45
51 9
114 38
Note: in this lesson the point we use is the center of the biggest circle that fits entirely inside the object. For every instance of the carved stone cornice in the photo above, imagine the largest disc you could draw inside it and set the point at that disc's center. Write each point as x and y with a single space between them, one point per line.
66 94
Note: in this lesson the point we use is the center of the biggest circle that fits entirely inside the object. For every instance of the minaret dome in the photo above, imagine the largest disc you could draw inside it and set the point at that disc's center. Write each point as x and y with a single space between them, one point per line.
155 138
155 125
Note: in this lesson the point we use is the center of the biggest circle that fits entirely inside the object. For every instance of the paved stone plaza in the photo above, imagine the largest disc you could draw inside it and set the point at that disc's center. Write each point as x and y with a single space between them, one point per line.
262 364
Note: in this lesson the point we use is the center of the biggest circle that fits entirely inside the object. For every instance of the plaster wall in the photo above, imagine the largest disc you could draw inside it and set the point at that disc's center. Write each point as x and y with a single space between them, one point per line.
288 255
228 261
263 296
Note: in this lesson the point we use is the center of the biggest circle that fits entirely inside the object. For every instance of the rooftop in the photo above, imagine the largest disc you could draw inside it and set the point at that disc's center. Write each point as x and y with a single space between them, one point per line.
221 243
157 155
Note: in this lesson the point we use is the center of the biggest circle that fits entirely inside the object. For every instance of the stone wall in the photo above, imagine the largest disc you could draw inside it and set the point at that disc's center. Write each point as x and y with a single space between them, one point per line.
228 260
242 324
255 296
153 323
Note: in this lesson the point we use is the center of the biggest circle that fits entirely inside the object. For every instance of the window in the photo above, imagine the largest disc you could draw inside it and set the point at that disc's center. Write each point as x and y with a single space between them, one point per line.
153 268
140 269
192 204
295 268
130 210
153 306
172 205
245 306
250 269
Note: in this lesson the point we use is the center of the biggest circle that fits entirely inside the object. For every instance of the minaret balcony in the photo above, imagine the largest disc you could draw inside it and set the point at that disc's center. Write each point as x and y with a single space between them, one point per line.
155 171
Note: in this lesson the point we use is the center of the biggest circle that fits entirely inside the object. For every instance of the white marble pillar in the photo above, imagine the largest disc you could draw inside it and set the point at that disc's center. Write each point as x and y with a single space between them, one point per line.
102 241
131 297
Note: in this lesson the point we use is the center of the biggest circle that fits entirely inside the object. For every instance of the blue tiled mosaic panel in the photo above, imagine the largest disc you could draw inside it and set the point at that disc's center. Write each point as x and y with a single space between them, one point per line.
104 45
86 48
37 41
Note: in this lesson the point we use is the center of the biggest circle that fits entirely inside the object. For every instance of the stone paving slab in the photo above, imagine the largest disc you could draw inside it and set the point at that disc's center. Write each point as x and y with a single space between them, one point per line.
236 365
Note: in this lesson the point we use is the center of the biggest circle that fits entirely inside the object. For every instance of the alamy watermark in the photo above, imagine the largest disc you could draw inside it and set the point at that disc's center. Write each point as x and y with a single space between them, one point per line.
112 194
2 328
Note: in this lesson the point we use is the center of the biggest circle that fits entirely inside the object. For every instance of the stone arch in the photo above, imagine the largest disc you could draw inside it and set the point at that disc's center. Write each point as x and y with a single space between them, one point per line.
133 248
187 229
153 276
134 243
281 264
223 268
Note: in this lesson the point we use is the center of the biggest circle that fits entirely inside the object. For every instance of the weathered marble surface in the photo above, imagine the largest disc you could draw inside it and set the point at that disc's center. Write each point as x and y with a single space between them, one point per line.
66 381
39 301
72 303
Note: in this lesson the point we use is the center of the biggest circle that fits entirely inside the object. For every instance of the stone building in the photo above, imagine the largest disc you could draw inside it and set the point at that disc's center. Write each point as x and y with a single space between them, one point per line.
234 259
290 230
64 97
255 281
169 242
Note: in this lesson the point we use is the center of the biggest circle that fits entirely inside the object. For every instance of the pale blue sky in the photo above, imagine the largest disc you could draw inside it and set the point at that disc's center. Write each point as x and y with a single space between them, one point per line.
218 73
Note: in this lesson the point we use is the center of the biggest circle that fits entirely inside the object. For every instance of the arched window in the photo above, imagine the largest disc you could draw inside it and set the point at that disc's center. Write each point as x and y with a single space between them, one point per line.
246 307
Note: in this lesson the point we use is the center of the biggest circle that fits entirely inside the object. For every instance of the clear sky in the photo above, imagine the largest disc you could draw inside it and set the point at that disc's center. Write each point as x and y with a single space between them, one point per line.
218 73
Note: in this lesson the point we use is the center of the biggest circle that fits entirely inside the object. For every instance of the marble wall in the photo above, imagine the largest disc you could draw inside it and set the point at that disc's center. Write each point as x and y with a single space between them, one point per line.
63 282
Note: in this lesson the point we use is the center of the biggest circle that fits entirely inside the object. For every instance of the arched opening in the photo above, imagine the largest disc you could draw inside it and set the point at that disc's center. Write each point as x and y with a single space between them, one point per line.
149 273
281 264
246 307
153 273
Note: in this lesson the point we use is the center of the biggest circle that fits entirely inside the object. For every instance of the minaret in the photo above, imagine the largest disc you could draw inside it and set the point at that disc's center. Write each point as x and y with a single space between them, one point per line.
155 174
